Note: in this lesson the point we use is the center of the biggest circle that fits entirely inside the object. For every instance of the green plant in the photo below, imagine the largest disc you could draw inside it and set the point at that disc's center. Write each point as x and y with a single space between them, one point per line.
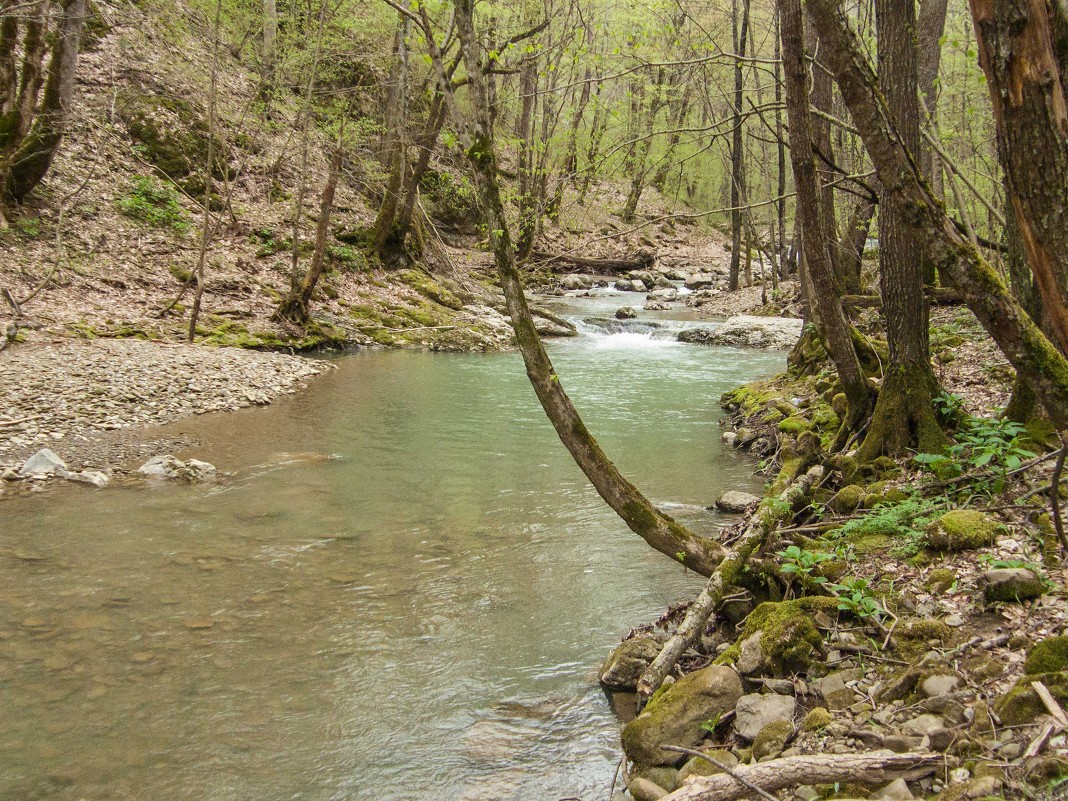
856 597
153 202
984 444
801 562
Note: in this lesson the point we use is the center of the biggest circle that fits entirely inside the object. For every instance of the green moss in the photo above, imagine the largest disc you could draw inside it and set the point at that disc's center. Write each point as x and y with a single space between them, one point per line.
1021 705
664 777
702 767
795 425
790 638
426 286
1048 656
847 499
171 134
819 718
960 530
940 580
912 637
772 739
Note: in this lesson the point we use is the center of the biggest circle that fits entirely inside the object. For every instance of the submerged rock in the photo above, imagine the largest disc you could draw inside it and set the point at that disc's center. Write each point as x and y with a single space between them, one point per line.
676 715
168 468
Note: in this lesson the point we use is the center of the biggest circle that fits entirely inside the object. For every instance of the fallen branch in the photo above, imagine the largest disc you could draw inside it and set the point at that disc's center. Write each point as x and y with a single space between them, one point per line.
693 625
725 768
778 774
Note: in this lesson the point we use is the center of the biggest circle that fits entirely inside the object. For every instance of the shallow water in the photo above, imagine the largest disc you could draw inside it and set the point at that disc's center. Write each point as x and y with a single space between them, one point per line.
402 593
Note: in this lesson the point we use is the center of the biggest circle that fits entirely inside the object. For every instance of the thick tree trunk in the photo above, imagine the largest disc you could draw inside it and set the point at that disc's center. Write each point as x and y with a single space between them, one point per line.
904 414
1019 338
33 157
1018 54
829 318
656 528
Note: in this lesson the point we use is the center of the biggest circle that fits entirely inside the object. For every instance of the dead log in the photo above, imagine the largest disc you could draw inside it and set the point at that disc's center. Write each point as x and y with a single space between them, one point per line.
643 259
693 625
779 774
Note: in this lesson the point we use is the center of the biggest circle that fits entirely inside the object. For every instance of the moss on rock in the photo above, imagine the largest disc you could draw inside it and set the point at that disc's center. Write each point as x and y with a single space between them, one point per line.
789 637
819 718
772 739
960 530
1048 656
847 499
702 767
940 580
1021 705
795 425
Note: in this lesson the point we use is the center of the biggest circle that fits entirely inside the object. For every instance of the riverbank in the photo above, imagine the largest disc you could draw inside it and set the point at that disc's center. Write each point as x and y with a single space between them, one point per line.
905 612
94 402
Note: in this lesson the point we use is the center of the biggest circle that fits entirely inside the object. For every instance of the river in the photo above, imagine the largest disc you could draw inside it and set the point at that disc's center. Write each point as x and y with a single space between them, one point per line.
402 592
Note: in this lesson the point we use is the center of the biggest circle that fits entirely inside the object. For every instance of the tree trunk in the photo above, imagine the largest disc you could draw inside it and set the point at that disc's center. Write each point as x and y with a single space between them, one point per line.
829 318
1028 93
780 203
31 160
737 144
929 28
269 61
1019 338
904 414
851 245
659 530
388 241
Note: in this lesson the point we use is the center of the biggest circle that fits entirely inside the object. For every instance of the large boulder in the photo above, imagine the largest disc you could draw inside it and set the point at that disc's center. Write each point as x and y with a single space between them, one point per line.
644 276
43 463
746 331
627 662
755 711
735 501
576 281
699 281
960 530
626 313
677 715
631 286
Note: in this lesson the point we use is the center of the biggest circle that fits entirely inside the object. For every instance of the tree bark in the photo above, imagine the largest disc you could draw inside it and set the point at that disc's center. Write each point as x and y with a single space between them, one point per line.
904 414
829 318
388 242
737 144
269 61
1027 90
1019 338
659 530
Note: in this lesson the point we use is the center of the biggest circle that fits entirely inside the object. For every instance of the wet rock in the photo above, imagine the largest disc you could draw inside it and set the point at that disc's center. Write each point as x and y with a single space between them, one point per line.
699 281
631 286
755 711
627 662
662 282
745 331
664 295
626 313
644 276
43 463
168 468
1010 584
729 438
676 715
645 790
94 477
576 281
960 530
735 501
656 305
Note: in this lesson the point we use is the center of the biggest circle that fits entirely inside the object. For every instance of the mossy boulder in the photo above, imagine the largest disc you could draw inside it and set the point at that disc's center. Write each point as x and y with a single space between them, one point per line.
819 718
960 530
772 739
627 662
1021 705
847 499
1010 584
662 776
676 715
789 639
702 767
794 424
1048 656
940 580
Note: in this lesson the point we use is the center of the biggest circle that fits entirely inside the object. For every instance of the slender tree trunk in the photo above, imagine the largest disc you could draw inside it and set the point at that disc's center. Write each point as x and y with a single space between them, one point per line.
780 139
427 143
904 414
929 28
737 143
659 530
593 149
640 152
829 317
270 51
388 241
981 288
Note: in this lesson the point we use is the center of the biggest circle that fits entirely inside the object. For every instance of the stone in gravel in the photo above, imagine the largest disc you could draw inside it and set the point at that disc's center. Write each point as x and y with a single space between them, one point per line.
735 501
755 711
42 463
94 477
899 743
941 739
924 724
751 654
939 684
897 790
656 305
702 767
780 686
8 475
806 792
645 790
1010 584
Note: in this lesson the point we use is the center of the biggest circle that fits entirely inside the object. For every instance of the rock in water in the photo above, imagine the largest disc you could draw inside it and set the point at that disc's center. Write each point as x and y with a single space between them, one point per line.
42 463
169 468
627 662
734 501
676 716
626 313
746 331
576 281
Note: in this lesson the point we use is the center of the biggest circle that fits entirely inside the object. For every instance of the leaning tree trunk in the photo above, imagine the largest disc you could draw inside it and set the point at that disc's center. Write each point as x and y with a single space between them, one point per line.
659 530
980 286
904 415
1027 81
33 157
829 317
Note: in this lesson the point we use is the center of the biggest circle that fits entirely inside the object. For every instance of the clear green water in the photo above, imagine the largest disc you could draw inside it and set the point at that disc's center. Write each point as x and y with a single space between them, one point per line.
418 618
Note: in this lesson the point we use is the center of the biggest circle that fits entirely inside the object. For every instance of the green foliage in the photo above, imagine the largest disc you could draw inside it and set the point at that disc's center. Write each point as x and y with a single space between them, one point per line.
984 444
856 597
451 199
904 521
29 226
348 257
801 562
151 201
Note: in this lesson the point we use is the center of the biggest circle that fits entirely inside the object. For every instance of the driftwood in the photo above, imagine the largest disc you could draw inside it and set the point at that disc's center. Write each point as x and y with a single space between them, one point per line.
638 260
778 774
712 595
936 296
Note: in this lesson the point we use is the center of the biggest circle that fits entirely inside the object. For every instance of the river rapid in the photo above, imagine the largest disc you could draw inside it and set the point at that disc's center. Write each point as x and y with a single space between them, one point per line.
402 591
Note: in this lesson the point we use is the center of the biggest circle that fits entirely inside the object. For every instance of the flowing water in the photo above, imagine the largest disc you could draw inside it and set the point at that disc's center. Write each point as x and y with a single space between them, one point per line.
402 592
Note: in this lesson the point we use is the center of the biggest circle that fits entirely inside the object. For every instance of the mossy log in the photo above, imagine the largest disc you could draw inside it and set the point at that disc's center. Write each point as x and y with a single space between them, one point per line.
767 516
